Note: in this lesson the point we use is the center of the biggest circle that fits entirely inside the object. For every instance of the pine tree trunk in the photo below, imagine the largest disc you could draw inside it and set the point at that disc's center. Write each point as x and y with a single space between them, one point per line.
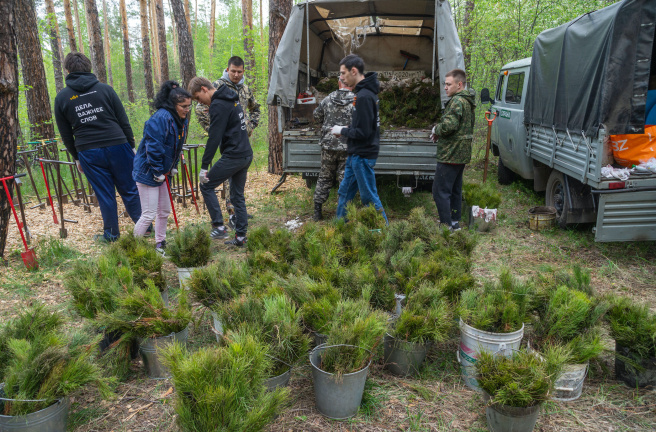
8 109
95 39
175 35
247 21
34 73
279 11
145 50
187 14
161 36
185 45
153 40
466 40
79 26
212 25
108 50
70 27
55 45
126 50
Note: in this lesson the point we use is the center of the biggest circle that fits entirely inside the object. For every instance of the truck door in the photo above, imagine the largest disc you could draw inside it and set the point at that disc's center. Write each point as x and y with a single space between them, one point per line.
510 124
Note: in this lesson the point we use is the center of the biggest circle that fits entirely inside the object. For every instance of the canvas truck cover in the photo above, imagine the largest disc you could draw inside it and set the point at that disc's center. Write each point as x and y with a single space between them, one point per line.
384 27
594 71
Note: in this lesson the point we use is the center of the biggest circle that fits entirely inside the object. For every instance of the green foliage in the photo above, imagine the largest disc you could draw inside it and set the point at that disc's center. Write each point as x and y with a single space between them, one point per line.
523 379
53 253
484 196
284 334
190 247
222 388
38 361
219 282
145 262
415 106
633 326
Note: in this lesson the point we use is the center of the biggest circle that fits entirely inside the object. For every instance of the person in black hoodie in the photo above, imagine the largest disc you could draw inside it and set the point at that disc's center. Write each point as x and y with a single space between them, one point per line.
363 137
228 133
96 132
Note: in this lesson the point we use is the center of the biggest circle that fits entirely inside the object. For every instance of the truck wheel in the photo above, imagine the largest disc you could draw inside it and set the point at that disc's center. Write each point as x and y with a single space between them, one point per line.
310 181
557 196
504 175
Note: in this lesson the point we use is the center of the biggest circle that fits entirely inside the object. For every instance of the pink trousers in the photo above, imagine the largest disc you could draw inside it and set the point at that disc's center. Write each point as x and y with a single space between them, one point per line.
155 206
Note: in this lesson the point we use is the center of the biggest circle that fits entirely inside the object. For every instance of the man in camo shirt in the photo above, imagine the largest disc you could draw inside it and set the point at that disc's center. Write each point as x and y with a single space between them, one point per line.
334 110
233 77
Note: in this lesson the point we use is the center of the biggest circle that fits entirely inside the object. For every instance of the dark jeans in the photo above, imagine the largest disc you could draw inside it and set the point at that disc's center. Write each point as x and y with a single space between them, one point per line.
358 175
447 191
108 168
223 169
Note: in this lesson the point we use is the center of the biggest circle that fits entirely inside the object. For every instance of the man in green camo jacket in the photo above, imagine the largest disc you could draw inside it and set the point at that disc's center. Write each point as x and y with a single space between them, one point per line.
454 135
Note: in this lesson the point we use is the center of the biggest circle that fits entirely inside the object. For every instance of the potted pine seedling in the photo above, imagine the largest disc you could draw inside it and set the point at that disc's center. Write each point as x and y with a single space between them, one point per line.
570 318
340 367
487 199
318 312
142 314
221 388
40 365
633 326
216 284
426 319
516 384
189 250
491 319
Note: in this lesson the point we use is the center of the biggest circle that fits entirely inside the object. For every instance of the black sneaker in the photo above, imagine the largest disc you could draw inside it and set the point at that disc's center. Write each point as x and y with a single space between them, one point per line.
455 226
237 241
231 221
219 233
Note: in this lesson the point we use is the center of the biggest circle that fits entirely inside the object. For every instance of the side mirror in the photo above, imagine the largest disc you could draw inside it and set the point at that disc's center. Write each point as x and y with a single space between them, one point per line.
485 96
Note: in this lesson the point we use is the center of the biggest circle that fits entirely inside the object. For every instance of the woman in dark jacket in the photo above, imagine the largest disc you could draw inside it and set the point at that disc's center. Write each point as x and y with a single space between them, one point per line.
157 156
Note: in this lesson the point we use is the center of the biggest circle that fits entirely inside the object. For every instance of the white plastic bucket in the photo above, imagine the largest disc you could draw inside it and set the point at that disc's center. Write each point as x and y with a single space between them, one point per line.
184 274
473 341
569 384
218 326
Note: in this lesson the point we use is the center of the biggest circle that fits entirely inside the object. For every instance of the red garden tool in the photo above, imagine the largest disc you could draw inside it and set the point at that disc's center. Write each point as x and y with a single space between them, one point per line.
191 185
168 187
489 137
52 206
29 256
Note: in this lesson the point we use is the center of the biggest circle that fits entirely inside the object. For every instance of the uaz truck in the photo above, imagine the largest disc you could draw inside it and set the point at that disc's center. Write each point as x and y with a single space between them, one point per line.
586 81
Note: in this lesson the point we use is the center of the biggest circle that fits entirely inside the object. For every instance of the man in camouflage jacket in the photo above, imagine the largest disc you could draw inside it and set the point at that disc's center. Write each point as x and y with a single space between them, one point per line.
454 135
336 109
233 77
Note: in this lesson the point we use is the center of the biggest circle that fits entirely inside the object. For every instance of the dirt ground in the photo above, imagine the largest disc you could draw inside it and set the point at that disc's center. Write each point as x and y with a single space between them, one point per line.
437 400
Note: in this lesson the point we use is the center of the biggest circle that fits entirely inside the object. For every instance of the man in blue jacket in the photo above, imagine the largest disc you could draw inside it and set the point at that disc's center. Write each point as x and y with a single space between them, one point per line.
96 131
363 136
228 133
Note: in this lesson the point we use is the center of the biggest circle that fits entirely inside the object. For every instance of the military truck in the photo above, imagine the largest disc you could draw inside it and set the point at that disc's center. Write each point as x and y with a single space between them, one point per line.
376 30
587 80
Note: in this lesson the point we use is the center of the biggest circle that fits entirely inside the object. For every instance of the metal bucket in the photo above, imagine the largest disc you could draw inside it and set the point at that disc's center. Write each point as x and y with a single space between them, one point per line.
569 384
336 398
473 341
148 349
165 296
281 380
217 326
403 358
184 274
629 374
503 418
51 419
319 338
400 301
541 217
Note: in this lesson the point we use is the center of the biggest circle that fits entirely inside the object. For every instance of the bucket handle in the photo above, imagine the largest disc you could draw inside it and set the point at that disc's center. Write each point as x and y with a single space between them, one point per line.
281 361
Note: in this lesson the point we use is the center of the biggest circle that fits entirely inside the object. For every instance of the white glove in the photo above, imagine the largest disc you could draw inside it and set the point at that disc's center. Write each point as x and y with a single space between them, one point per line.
203 176
79 167
134 149
160 178
433 137
174 172
337 130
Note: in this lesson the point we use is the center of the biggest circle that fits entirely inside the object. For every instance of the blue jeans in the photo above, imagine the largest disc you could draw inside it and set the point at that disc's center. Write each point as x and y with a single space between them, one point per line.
108 168
358 175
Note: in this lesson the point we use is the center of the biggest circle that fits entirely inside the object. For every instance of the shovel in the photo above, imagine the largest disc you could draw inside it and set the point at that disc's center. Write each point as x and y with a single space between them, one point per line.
489 137
29 256
168 187
408 56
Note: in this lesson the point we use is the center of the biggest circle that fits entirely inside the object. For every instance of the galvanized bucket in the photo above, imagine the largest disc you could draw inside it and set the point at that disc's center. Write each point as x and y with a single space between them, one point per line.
400 301
541 217
337 398
319 338
184 273
217 326
51 419
281 380
403 358
503 418
569 385
148 349
473 341
629 374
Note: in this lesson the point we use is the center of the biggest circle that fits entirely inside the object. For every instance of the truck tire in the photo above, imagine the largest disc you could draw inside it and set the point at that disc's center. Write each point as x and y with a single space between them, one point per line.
504 175
557 196
310 181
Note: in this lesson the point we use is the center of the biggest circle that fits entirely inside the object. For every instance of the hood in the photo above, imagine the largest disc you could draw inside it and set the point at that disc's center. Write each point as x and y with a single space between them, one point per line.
81 81
342 97
226 77
226 93
468 95
370 82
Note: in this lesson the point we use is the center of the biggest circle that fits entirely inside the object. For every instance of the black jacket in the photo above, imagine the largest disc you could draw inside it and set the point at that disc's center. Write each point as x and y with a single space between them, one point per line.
227 128
363 135
90 115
